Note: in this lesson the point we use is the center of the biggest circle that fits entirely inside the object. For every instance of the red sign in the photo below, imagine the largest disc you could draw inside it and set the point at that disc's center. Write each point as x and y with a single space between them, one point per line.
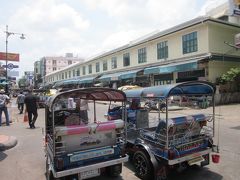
10 56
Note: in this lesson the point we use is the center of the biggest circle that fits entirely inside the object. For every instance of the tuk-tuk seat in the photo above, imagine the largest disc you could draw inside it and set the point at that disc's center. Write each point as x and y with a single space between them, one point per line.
89 128
160 132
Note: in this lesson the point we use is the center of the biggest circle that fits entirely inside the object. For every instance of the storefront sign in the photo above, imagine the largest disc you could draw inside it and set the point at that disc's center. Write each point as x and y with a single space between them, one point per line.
10 56
234 7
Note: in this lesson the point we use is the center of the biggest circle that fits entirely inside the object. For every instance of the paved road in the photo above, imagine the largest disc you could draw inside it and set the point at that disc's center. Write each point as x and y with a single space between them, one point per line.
26 160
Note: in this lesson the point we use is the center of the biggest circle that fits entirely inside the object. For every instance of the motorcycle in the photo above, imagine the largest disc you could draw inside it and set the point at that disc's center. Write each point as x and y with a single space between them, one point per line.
153 105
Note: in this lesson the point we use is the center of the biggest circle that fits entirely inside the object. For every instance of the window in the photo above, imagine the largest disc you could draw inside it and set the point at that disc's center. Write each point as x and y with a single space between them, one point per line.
162 50
89 69
126 59
73 72
65 75
69 62
78 72
142 55
189 43
62 75
69 74
83 70
114 62
105 66
97 67
54 62
54 68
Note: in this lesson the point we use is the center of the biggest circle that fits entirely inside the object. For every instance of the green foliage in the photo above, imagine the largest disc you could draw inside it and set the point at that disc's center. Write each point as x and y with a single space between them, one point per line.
233 75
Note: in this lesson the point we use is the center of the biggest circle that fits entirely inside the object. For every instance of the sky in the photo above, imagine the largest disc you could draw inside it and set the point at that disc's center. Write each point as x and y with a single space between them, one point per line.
87 28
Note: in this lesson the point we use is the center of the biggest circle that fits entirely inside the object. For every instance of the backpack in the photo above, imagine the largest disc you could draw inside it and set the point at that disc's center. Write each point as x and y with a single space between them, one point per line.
2 102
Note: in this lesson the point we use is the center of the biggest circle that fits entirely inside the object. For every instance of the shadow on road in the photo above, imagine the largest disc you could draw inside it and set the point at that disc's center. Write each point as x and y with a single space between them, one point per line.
2 156
236 127
195 173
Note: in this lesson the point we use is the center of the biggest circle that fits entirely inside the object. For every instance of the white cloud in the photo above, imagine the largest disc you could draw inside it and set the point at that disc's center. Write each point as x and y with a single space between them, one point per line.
210 4
49 26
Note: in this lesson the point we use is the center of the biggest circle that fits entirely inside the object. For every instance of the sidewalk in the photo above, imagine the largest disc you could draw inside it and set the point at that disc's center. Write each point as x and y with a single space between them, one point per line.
7 142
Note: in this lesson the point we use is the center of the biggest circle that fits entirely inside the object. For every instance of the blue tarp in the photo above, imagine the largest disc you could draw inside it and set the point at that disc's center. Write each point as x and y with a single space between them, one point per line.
177 67
164 91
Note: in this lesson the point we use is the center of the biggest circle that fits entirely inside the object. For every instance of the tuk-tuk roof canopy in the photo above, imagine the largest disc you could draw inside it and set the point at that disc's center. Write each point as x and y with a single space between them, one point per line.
97 94
165 91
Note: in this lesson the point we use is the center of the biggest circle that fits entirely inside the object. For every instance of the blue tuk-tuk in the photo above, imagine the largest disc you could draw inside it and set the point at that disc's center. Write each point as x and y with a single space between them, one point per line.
158 141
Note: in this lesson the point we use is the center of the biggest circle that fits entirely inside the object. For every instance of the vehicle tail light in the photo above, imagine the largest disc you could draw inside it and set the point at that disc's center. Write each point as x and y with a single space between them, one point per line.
171 154
60 163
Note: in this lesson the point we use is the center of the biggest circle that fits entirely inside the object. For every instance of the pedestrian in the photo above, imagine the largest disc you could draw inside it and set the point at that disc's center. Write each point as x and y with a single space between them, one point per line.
4 100
20 102
82 106
31 102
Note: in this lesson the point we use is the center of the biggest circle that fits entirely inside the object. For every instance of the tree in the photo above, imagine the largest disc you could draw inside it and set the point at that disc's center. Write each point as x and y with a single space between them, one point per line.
22 83
231 77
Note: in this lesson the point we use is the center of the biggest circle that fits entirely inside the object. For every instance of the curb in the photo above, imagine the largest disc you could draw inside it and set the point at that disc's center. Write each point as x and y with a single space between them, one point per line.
10 142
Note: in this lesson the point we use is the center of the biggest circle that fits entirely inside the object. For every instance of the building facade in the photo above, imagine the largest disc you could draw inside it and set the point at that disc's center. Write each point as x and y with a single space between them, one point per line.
51 64
199 49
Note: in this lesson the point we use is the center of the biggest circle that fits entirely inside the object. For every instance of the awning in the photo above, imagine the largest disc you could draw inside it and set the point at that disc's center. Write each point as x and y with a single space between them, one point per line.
129 74
119 75
86 80
109 77
70 81
175 67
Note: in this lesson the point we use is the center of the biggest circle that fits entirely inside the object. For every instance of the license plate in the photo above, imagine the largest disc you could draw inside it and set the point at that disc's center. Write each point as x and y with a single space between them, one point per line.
89 174
195 160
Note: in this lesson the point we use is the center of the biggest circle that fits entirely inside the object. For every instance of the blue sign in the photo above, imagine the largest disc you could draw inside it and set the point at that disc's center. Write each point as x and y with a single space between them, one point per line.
10 66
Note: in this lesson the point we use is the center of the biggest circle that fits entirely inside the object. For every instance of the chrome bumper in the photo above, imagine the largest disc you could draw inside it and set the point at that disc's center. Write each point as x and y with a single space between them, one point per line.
189 157
88 167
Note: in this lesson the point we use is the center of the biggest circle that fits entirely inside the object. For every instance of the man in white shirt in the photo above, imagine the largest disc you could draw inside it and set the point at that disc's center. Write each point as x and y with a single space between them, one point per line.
4 100
83 111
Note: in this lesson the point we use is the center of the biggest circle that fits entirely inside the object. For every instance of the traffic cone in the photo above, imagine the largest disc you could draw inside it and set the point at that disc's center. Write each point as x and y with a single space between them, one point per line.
25 117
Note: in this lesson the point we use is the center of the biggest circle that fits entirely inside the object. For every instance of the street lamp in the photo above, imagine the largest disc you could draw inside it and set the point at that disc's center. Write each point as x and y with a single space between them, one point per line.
7 35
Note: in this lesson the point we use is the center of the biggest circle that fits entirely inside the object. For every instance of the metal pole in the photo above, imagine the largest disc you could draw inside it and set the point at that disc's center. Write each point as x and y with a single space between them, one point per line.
167 143
6 86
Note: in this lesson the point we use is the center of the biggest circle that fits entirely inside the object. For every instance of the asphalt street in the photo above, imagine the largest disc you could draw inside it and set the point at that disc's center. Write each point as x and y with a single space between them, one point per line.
27 159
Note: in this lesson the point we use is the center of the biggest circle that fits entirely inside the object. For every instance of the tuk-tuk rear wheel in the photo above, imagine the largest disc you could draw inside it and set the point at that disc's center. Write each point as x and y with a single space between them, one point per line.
143 166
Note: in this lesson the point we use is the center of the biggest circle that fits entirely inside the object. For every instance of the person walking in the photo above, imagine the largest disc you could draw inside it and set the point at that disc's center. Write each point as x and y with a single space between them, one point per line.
20 102
82 107
4 100
31 102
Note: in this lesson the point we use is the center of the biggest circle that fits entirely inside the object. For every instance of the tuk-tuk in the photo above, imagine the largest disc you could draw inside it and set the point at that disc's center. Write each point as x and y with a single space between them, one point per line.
80 145
178 137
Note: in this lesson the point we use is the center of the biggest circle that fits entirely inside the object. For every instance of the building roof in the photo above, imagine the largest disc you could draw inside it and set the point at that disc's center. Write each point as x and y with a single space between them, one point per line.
187 24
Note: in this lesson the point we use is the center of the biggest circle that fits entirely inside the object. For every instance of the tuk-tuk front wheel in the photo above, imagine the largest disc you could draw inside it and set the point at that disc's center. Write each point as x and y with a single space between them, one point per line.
49 174
143 166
